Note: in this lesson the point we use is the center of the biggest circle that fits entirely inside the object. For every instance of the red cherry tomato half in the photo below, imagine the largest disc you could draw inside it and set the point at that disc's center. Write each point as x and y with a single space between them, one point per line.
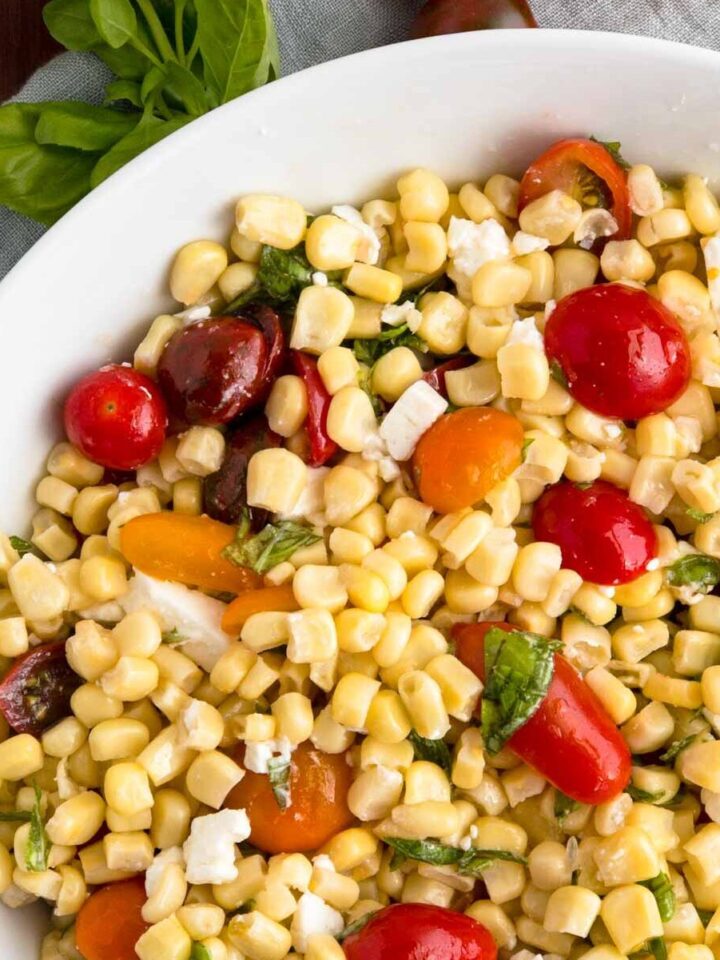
318 399
601 533
570 739
622 353
36 691
116 417
414 931
587 171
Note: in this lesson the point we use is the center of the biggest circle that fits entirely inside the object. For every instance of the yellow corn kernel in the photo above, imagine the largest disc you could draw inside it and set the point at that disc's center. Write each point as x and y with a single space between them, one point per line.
584 644
443 323
322 319
165 940
700 764
554 216
627 260
195 269
395 372
200 450
459 686
574 269
427 246
422 593
500 284
39 593
352 698
276 221
275 480
700 205
211 776
331 243
649 729
423 196
423 700
619 702
631 916
373 283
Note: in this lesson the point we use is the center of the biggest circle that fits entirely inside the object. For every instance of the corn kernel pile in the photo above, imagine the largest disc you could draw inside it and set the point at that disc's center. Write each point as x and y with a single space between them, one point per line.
362 666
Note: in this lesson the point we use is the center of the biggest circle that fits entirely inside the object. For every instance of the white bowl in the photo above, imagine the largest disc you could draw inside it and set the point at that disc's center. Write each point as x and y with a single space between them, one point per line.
465 105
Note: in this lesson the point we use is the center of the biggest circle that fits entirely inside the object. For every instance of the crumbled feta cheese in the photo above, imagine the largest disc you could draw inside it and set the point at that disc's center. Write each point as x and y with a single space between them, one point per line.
526 331
473 244
110 612
370 247
319 278
375 449
153 874
323 862
388 469
711 253
313 916
259 753
524 243
395 314
210 848
410 417
549 307
195 616
193 314
594 223
310 505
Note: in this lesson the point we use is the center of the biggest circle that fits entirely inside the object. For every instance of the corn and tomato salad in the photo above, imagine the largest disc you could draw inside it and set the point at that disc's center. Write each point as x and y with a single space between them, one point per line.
371 611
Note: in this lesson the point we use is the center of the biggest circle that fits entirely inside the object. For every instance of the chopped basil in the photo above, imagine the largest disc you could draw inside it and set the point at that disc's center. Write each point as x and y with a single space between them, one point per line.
172 637
662 890
676 747
658 948
21 546
365 383
37 850
696 570
369 351
200 952
470 863
558 374
356 926
518 669
699 515
15 816
613 148
281 277
279 777
274 544
436 751
527 443
643 796
564 805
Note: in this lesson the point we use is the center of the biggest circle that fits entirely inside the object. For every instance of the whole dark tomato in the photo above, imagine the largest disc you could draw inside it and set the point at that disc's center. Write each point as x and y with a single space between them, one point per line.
116 416
601 533
36 691
459 16
622 352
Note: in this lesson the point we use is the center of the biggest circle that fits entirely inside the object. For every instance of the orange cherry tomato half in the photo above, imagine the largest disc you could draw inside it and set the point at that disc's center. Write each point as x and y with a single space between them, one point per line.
257 601
464 455
587 171
189 550
110 923
319 784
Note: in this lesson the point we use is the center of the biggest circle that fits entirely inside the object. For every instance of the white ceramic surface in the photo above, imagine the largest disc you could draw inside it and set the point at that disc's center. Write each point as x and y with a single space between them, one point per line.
465 106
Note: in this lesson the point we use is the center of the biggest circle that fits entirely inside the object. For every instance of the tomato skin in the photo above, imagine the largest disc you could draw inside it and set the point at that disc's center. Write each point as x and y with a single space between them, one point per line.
36 690
560 168
116 417
483 445
322 448
414 931
602 534
109 923
622 352
570 739
319 784
436 376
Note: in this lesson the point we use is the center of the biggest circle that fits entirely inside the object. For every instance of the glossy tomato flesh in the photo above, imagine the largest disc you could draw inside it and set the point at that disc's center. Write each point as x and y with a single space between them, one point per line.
414 931
570 739
110 921
602 534
35 693
319 784
116 416
622 352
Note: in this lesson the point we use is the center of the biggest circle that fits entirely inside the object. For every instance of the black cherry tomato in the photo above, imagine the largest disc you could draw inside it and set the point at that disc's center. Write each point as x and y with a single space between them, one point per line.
460 16
36 691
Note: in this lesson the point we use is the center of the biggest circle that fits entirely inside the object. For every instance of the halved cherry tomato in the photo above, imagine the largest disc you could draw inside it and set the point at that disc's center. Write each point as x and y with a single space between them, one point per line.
601 533
110 923
436 376
464 455
319 784
36 691
172 546
318 399
418 931
621 351
257 601
587 171
570 739
116 417
269 323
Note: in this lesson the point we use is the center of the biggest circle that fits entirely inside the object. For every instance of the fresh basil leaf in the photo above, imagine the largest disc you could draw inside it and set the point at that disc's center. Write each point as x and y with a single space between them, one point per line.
676 747
356 926
15 816
519 667
643 796
613 148
149 131
369 351
70 23
37 850
275 543
696 570
200 952
172 637
658 948
82 126
283 274
122 92
238 45
365 383
564 805
21 546
470 862
436 751
39 181
476 861
698 515
662 890
527 443
279 777
183 87
115 20
127 63
152 81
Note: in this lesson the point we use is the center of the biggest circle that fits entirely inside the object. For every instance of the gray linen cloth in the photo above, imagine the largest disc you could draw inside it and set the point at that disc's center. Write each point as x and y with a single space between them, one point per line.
312 31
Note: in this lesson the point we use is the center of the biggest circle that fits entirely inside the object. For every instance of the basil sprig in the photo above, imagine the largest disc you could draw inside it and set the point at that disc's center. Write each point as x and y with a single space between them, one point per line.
369 351
470 863
279 777
275 543
696 570
662 890
519 667
37 851
435 751
676 747
564 805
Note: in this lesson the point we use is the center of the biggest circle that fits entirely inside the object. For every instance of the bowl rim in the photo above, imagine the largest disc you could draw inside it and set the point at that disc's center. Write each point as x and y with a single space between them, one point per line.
523 41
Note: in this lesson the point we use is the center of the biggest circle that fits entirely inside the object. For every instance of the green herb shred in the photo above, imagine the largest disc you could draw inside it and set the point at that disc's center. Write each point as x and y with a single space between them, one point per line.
676 747
695 570
279 776
662 890
564 805
698 515
21 546
469 862
172 637
200 952
37 850
275 543
436 751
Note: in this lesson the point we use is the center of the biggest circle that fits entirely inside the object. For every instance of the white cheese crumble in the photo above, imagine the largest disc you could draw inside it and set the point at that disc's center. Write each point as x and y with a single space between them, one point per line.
310 505
193 314
314 916
259 753
410 417
523 243
395 314
153 874
526 331
711 253
195 616
370 242
319 278
210 848
473 244
375 449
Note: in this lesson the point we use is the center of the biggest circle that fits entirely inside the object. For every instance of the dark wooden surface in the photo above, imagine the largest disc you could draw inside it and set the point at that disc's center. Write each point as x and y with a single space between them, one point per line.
25 44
